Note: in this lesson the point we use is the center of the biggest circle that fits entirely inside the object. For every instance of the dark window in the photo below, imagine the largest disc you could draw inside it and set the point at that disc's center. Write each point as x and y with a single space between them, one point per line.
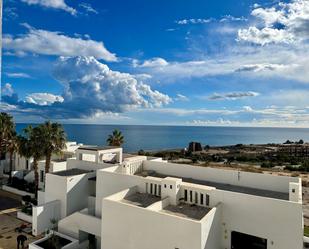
159 190
164 185
171 186
42 175
293 190
196 197
151 188
155 189
202 199
207 200
190 195
186 195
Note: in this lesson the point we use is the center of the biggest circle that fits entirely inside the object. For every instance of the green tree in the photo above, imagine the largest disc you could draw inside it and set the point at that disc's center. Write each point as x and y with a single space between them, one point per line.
54 139
7 128
115 139
12 147
32 145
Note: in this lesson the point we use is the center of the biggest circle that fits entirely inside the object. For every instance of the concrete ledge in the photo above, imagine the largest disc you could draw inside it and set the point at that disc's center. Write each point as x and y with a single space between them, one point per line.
23 216
16 191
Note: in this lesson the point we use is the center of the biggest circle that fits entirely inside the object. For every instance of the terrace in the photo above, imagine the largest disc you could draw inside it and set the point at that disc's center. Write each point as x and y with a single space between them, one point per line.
71 172
222 186
141 199
186 211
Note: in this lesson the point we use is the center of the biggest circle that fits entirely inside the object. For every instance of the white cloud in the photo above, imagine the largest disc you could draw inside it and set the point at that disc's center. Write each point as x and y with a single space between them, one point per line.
18 75
53 4
43 99
232 95
154 62
7 89
88 8
265 36
45 42
92 86
181 97
230 18
262 67
193 21
283 23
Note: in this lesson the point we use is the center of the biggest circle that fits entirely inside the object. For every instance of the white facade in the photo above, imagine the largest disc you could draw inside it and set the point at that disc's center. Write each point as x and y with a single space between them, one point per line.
126 201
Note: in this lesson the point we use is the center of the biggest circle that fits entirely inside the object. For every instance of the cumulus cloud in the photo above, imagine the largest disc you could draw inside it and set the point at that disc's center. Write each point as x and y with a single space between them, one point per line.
43 98
53 4
283 23
7 89
90 88
232 95
154 62
45 42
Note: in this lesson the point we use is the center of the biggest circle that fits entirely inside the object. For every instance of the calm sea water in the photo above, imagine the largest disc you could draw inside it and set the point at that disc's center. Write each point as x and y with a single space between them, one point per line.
167 137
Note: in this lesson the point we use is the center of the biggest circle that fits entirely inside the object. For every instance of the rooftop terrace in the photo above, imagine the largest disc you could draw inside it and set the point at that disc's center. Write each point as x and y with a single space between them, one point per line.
71 172
141 199
222 186
97 148
187 211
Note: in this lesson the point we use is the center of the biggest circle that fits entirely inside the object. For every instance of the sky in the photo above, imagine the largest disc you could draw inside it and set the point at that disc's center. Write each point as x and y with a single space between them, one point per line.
176 62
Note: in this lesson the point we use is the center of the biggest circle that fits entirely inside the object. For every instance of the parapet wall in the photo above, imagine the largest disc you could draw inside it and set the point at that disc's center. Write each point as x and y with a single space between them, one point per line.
233 177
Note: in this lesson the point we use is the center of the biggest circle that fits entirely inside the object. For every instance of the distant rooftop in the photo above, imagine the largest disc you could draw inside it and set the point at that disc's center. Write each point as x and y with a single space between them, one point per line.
141 199
187 211
98 148
71 172
226 187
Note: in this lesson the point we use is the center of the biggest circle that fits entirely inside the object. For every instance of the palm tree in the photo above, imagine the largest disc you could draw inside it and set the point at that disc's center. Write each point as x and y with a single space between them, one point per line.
31 145
12 147
115 139
7 127
54 139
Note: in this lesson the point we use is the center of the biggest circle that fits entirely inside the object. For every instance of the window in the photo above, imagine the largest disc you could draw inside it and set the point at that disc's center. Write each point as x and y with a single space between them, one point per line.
159 190
201 199
164 185
207 200
146 187
27 164
186 195
80 156
155 189
190 195
42 176
171 186
293 190
196 197
151 188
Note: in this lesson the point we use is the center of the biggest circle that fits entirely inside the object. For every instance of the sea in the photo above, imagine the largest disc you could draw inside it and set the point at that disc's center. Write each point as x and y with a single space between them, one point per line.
153 138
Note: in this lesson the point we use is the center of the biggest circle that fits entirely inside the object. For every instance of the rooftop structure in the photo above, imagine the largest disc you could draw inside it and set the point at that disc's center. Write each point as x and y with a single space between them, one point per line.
129 201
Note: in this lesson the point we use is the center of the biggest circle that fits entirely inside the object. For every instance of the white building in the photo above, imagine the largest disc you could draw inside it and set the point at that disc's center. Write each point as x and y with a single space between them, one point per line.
112 200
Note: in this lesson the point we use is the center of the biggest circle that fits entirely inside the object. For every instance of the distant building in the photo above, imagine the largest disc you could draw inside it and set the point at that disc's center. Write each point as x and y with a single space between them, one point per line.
195 146
295 150
110 200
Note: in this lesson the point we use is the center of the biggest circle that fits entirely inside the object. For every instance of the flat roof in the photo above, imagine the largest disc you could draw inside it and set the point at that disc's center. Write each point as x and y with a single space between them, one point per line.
187 211
226 187
71 172
141 199
98 148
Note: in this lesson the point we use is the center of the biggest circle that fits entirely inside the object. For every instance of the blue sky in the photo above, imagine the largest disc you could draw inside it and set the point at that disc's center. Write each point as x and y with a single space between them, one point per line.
230 63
